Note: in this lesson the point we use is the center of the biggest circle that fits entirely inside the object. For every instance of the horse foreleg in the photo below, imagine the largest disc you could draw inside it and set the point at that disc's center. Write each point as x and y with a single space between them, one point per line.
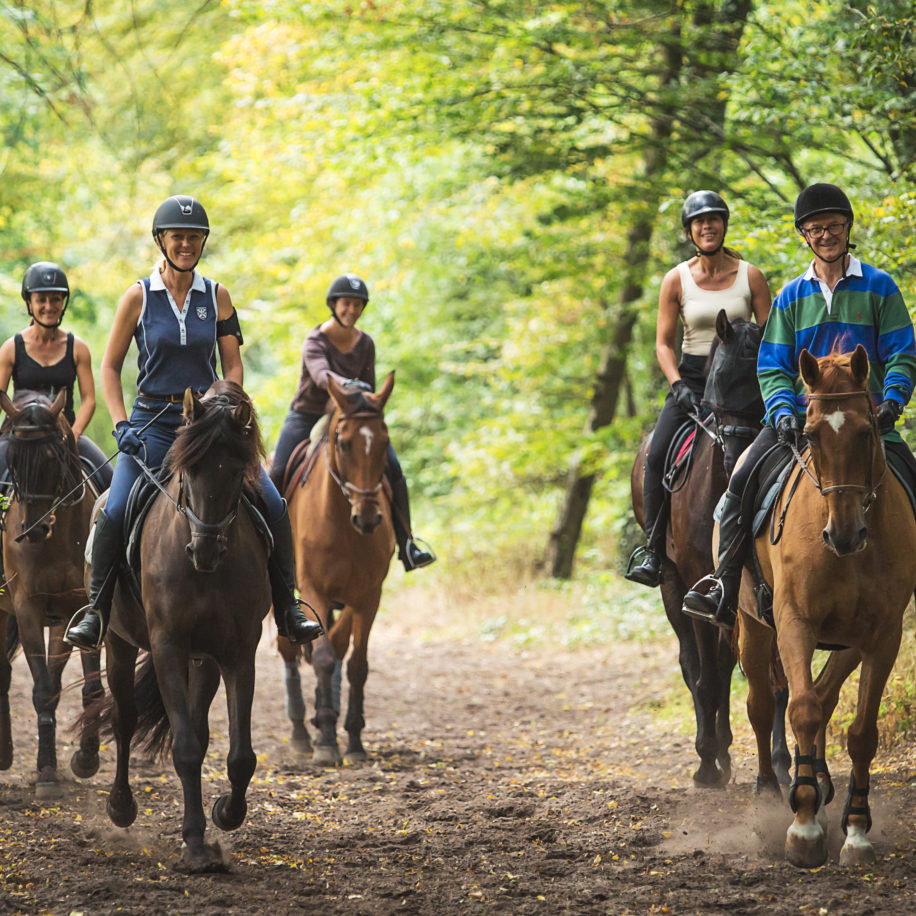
295 702
121 661
6 676
229 810
85 761
755 643
862 744
324 661
782 759
357 672
707 699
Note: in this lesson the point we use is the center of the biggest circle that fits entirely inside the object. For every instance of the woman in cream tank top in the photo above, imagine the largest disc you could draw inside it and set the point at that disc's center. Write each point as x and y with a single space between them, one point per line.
693 292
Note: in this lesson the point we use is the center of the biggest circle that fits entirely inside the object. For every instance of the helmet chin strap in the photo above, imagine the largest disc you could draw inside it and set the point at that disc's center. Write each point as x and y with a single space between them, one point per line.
846 249
59 321
707 254
173 265
331 305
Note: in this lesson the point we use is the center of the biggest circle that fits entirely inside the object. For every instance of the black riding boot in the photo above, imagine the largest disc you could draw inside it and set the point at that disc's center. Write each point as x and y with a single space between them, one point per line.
107 542
291 621
649 570
719 603
409 551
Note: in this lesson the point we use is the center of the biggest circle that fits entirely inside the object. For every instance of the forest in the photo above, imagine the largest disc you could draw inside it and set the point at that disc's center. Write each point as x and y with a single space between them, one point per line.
506 175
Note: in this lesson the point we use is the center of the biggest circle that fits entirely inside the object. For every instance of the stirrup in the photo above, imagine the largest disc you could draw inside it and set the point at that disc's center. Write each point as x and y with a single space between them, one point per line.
103 629
421 545
642 555
696 611
284 631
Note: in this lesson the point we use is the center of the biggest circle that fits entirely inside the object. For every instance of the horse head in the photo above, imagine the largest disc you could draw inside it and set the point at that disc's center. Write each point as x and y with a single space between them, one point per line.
358 450
42 459
215 454
732 391
842 434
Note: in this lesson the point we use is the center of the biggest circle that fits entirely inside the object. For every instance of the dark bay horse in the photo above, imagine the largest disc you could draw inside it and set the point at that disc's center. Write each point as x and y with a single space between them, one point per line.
706 656
203 579
842 574
344 543
46 527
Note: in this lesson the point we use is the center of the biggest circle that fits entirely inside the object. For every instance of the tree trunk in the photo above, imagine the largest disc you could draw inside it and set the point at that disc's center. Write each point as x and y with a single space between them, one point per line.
723 39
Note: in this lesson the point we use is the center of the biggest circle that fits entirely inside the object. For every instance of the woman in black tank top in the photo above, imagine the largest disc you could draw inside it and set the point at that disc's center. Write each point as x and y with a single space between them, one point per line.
43 357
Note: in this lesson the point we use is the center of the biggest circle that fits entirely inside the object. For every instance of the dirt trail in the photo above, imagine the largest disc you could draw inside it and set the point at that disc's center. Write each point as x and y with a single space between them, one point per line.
500 781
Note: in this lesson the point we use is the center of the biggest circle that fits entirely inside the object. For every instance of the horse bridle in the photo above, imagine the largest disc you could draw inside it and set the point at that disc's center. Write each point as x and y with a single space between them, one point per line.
870 490
33 433
200 528
349 490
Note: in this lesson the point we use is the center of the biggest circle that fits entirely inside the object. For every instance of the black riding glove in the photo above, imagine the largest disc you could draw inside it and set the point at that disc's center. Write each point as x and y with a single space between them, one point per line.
356 384
684 397
788 429
887 414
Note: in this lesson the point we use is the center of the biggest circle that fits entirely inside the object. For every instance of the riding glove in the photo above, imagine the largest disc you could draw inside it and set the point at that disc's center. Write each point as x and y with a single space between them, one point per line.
685 398
788 428
887 414
129 443
356 384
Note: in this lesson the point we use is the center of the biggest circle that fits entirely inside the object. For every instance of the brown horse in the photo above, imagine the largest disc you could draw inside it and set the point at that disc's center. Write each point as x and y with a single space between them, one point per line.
203 580
45 534
344 543
842 574
706 656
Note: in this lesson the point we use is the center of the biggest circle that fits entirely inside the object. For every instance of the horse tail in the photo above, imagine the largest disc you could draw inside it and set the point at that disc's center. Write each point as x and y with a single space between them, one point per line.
13 644
153 734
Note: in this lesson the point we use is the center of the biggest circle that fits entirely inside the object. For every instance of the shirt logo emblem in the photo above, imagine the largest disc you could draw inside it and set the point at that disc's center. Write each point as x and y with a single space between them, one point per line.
201 312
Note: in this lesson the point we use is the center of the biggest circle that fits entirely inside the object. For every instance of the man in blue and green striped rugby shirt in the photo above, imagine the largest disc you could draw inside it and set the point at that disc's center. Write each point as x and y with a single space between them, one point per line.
838 302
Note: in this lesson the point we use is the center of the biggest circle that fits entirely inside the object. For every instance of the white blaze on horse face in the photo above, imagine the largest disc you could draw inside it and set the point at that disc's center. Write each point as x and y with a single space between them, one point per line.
836 420
368 435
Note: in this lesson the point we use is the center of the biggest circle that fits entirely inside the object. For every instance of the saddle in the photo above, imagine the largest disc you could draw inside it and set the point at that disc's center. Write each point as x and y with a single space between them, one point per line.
302 458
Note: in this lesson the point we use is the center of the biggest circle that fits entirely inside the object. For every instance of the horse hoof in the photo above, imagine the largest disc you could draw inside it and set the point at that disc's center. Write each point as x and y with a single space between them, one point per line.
301 745
709 776
6 758
806 845
219 817
85 764
355 757
326 755
48 790
768 785
122 817
857 850
208 858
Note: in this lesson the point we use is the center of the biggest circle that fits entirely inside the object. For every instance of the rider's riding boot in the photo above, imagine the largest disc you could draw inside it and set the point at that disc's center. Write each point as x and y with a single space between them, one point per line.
410 553
291 621
649 570
645 564
107 541
719 603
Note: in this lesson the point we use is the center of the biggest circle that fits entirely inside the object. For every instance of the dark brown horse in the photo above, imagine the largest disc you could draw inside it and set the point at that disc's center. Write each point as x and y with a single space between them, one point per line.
344 543
45 535
203 579
842 574
705 652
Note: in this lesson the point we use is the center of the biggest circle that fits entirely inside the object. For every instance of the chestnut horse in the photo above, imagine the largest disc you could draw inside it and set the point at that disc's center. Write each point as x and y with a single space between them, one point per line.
45 534
842 574
344 543
706 656
203 580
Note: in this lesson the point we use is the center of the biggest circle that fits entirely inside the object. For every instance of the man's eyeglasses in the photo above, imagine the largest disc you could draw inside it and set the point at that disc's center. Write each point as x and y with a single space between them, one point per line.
814 232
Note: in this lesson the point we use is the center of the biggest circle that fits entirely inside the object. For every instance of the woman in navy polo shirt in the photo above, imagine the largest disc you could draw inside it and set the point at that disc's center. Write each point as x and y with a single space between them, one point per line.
180 320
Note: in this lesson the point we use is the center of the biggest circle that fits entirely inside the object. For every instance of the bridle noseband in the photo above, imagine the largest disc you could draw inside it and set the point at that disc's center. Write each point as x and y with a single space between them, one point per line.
870 490
349 490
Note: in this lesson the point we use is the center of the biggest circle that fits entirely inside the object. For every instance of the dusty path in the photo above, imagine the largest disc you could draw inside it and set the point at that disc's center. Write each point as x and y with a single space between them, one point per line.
500 782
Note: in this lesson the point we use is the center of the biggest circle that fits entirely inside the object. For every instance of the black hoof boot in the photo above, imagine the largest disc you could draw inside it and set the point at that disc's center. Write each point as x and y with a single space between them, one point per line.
649 571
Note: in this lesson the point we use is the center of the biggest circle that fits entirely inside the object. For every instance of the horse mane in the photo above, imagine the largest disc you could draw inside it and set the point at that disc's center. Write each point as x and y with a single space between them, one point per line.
26 463
219 420
834 374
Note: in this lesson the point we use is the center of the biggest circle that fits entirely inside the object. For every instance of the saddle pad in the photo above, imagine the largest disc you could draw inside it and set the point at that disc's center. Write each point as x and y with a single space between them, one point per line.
303 457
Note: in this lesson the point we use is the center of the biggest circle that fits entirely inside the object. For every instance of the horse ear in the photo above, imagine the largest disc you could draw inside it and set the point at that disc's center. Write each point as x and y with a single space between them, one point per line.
8 408
859 365
381 396
724 330
336 392
190 405
242 413
58 404
809 369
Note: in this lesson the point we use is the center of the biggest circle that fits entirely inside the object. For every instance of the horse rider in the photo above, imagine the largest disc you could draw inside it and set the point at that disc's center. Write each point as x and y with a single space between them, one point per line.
179 320
44 358
338 348
837 300
694 291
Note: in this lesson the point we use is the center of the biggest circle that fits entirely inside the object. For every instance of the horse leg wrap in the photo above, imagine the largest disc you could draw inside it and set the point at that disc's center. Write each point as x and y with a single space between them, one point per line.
804 760
850 808
47 752
295 705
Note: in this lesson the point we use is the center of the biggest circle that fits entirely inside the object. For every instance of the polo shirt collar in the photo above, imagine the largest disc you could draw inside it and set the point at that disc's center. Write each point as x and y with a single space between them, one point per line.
155 282
854 270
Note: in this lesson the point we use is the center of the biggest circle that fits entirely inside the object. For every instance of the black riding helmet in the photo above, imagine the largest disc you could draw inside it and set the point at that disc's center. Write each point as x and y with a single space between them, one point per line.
699 203
348 285
180 212
45 277
824 198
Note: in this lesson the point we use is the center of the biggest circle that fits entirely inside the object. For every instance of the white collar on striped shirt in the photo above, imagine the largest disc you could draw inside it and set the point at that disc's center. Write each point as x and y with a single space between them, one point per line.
155 282
853 270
